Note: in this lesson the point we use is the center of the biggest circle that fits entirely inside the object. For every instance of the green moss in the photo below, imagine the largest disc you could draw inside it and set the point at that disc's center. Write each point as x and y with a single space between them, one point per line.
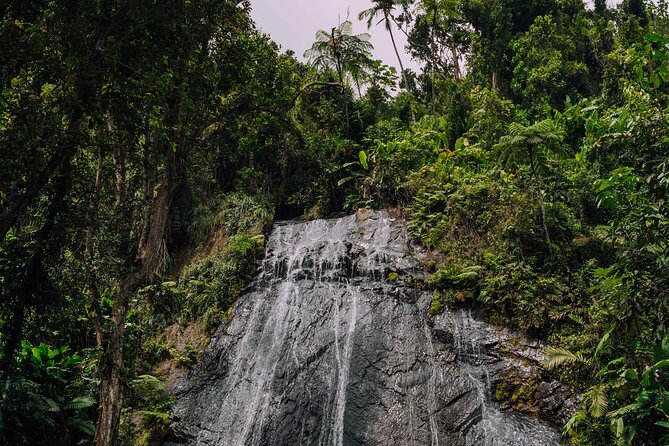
518 391
228 314
436 307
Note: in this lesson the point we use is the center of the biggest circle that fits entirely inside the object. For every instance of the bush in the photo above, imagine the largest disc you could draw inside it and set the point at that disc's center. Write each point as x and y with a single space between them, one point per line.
217 281
233 213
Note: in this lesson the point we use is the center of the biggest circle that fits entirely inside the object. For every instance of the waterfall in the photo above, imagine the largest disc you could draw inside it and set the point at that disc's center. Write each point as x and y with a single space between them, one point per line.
324 349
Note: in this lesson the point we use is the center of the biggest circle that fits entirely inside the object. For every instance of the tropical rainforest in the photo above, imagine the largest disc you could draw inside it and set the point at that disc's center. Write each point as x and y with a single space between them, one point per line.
146 148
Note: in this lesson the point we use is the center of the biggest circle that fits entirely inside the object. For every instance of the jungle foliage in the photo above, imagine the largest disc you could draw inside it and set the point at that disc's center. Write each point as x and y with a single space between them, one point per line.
147 150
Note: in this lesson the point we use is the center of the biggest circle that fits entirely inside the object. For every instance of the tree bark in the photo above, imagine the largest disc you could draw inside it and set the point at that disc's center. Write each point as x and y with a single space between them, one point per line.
456 63
340 73
111 398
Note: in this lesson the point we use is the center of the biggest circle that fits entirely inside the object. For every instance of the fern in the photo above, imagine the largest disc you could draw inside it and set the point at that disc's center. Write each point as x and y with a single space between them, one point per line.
576 318
80 402
43 403
597 400
555 357
621 411
83 426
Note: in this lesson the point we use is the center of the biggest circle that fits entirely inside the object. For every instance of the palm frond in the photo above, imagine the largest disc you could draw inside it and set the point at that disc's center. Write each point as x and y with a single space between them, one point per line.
555 357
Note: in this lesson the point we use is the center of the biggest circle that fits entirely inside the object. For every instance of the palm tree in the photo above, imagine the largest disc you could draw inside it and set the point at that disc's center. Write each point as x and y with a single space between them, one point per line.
344 52
385 8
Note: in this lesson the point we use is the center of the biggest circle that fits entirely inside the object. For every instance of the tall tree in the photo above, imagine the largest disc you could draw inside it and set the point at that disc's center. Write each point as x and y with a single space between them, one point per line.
342 51
495 24
385 9
531 144
438 39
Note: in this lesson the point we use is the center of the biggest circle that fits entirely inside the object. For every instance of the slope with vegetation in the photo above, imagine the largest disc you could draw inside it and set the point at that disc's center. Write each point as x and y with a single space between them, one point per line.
146 151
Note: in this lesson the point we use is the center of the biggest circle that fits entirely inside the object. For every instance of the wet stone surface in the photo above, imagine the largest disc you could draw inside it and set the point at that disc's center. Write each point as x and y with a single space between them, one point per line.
325 350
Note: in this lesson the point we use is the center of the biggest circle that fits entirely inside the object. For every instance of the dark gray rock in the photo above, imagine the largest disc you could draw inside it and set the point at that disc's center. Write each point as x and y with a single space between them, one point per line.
509 359
325 350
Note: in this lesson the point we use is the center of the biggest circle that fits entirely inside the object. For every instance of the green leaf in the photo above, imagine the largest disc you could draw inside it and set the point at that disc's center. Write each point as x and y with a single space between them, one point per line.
344 181
604 340
37 353
631 374
597 397
623 410
363 159
663 424
655 80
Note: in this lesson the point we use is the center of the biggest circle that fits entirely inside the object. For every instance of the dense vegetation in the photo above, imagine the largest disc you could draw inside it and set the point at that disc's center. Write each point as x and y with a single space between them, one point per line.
147 147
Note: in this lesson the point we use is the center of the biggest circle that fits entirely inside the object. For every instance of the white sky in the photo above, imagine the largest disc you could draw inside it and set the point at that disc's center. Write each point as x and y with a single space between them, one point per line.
293 25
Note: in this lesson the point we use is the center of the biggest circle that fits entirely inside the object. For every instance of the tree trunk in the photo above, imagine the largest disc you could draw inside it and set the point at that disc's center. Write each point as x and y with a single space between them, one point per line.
147 261
357 84
89 257
340 73
495 80
456 63
434 59
111 397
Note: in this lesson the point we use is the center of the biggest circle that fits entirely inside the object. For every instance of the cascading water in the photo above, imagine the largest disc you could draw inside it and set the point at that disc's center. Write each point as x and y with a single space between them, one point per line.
325 350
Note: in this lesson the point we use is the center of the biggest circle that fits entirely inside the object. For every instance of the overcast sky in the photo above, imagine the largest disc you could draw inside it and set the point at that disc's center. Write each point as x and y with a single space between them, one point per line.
293 25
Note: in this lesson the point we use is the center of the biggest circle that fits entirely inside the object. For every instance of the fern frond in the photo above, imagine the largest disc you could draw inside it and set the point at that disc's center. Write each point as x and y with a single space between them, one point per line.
555 357
43 403
80 402
576 318
597 399
517 129
546 126
621 411
82 426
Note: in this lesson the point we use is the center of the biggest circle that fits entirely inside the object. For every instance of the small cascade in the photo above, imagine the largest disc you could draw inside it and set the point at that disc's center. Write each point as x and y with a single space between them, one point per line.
325 350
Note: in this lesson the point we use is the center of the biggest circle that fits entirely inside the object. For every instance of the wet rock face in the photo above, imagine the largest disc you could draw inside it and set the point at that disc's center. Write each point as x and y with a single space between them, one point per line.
325 350
512 366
